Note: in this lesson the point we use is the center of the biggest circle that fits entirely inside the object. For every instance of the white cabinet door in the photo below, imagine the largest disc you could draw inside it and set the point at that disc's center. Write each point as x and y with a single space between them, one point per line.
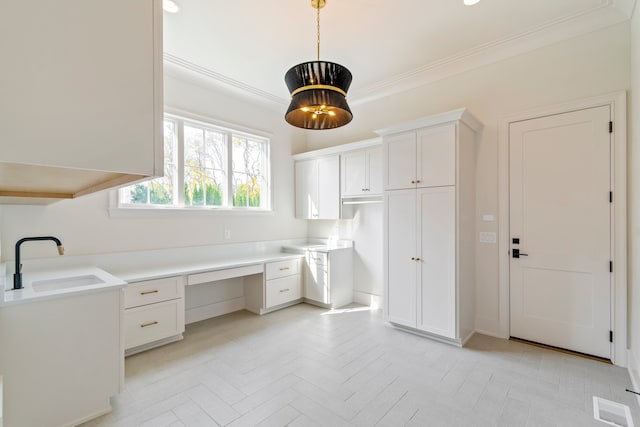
306 189
362 172
436 154
316 282
374 171
402 271
437 248
80 84
329 187
354 173
400 161
318 188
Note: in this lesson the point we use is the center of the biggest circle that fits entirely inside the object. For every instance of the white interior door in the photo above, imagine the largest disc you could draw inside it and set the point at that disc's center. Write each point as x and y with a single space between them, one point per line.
560 287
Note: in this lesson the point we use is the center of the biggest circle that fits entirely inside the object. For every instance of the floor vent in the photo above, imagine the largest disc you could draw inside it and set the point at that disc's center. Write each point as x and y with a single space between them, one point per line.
612 413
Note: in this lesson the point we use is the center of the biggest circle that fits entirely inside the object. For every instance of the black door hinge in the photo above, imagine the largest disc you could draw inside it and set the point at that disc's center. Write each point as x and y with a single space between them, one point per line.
610 196
610 266
610 127
610 336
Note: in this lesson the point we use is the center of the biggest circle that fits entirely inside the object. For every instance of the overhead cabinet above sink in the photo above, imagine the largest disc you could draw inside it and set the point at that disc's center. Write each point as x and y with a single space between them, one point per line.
80 97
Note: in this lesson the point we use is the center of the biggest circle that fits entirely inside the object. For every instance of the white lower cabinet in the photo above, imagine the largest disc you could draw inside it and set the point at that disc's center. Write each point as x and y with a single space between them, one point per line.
421 259
152 322
279 286
283 290
154 313
282 282
328 278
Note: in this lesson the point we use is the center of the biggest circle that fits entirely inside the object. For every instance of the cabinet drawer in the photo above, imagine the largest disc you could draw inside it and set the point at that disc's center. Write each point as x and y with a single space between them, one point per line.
152 291
153 322
282 290
274 270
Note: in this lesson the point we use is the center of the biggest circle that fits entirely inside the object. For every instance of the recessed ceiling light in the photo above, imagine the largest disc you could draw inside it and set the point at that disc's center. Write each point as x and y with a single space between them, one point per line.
470 2
172 7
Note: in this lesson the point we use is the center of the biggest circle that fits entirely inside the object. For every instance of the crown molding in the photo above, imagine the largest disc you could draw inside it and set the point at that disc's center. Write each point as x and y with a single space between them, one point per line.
607 13
461 114
220 79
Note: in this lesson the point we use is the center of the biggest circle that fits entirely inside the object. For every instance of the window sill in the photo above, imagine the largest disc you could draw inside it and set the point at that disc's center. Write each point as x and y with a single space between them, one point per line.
179 212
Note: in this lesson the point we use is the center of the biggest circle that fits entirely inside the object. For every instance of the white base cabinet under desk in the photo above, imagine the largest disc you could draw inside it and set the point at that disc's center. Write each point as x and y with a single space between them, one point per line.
328 278
280 286
154 313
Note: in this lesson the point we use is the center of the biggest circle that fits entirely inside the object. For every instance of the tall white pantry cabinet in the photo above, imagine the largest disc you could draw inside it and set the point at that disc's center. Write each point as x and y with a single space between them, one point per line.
429 226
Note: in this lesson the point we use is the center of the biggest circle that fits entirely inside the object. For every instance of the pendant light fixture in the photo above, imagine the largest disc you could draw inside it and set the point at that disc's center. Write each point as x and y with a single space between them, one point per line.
318 90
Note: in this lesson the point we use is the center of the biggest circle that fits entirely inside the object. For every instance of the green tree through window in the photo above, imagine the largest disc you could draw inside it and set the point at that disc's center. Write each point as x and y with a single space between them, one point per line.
206 166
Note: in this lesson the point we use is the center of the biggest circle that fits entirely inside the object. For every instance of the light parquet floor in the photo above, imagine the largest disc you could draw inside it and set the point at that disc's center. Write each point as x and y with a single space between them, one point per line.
305 366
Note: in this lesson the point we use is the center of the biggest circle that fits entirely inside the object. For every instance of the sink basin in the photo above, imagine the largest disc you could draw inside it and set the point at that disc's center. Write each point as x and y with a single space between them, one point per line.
66 282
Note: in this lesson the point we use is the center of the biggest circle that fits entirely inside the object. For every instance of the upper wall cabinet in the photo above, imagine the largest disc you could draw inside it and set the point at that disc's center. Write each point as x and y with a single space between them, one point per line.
318 188
80 96
418 159
362 173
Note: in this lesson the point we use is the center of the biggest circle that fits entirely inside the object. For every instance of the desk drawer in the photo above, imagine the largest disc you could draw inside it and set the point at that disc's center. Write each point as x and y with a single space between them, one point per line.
282 290
274 270
152 291
153 322
226 273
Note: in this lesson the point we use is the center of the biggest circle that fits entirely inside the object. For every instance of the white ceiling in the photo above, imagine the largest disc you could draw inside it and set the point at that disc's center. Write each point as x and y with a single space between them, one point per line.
389 46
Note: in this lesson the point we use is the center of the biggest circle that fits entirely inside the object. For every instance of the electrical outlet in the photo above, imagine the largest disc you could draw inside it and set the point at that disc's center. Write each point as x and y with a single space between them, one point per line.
487 237
227 234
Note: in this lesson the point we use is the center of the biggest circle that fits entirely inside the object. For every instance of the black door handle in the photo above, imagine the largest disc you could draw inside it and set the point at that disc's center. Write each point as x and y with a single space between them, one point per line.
517 254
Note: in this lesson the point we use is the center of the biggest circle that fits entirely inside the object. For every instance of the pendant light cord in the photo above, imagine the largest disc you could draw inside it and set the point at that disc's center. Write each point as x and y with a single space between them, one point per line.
318 26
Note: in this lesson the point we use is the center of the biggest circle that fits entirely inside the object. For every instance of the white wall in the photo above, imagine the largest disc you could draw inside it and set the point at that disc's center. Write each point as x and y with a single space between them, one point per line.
84 224
634 201
589 65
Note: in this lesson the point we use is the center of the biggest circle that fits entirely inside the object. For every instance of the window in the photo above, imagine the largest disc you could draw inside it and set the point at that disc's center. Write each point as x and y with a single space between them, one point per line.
206 167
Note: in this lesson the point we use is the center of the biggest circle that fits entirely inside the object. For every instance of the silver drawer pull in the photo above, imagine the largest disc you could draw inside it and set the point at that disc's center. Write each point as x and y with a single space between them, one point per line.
144 325
284 268
285 290
155 291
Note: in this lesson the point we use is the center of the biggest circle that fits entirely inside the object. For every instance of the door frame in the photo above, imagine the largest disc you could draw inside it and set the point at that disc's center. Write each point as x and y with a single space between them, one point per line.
617 101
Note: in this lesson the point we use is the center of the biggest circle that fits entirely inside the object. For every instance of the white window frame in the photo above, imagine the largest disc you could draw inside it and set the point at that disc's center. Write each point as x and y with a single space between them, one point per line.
118 208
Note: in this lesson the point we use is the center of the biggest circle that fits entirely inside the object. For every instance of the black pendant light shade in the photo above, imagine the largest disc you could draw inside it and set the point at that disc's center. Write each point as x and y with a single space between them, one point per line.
318 90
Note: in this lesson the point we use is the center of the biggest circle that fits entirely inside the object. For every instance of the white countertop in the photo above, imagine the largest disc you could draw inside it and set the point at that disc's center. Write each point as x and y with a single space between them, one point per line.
116 277
28 294
130 274
115 270
319 247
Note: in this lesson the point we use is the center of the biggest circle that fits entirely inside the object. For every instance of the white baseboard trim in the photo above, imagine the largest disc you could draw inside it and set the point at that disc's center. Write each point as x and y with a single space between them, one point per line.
97 413
633 366
364 298
424 334
464 341
149 346
197 314
490 334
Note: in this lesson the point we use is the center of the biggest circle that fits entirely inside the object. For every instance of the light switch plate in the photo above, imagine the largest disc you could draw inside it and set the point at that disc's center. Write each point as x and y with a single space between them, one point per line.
487 237
488 218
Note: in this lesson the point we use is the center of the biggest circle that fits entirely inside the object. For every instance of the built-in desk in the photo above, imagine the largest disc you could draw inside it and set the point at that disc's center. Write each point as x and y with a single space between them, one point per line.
160 301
